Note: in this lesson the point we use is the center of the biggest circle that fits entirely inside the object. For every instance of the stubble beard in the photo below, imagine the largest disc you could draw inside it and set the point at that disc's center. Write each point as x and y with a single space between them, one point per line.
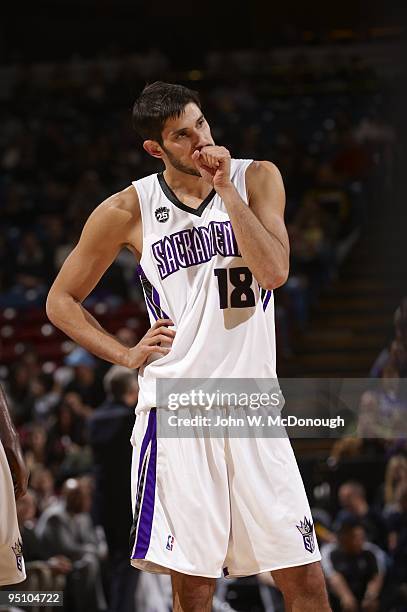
179 165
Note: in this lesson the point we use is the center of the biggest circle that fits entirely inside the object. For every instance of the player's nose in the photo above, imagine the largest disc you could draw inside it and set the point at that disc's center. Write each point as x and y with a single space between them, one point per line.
199 141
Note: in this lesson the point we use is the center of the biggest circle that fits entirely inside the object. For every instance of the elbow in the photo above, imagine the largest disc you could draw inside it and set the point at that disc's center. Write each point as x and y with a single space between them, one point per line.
275 279
52 308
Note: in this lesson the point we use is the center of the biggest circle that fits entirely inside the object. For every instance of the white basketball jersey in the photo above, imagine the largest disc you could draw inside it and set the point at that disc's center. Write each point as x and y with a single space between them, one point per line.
192 272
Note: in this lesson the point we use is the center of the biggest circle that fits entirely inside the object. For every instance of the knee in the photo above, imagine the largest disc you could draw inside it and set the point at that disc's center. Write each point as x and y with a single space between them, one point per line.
304 583
196 600
193 594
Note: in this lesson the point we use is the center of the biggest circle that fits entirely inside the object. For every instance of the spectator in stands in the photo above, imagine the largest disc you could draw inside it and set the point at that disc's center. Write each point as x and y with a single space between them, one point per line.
354 570
36 453
351 447
42 484
46 395
110 428
397 525
397 544
383 408
370 423
66 528
85 382
398 346
32 546
68 452
31 360
31 274
19 392
352 499
395 478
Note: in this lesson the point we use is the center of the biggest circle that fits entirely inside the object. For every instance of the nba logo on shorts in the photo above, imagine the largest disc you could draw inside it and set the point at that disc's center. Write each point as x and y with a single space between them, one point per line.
18 551
170 542
306 529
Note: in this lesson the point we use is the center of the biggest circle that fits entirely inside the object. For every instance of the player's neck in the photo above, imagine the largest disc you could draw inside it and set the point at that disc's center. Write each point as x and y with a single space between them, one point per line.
187 184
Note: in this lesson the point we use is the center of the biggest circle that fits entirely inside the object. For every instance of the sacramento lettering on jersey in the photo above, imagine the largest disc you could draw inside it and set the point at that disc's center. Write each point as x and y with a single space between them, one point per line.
194 246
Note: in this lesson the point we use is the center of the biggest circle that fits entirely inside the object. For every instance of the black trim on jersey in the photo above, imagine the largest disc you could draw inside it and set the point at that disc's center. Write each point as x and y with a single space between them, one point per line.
168 192
148 289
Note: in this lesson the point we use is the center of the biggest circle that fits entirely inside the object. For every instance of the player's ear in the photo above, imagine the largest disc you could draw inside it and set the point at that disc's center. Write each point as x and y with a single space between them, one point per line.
153 148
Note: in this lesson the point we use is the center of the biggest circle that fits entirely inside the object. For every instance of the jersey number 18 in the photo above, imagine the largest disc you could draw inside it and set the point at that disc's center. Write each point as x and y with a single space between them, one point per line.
242 295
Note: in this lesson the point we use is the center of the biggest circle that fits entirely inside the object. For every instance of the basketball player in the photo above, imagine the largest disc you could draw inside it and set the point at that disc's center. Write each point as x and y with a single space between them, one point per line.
13 484
210 238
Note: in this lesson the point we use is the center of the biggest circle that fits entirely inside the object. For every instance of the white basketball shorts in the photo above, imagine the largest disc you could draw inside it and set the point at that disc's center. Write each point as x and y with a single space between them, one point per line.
12 569
207 506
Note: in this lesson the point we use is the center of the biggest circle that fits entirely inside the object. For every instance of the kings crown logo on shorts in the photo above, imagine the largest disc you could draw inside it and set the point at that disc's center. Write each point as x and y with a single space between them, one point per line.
18 551
170 542
306 529
162 214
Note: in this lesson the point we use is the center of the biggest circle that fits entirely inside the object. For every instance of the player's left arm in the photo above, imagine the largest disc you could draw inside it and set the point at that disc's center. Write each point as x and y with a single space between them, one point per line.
266 198
11 444
259 228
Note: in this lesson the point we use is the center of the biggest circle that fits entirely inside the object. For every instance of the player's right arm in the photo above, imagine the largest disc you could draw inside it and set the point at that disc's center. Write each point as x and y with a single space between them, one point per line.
113 225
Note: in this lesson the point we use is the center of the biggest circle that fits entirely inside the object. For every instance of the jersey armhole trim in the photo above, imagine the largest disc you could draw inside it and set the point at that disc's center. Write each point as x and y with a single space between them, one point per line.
138 191
250 162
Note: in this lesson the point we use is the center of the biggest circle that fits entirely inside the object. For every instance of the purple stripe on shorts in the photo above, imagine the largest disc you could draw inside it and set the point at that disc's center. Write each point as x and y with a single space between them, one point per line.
266 299
147 506
145 442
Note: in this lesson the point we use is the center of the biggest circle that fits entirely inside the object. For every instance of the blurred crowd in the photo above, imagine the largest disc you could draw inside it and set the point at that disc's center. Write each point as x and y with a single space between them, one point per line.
66 144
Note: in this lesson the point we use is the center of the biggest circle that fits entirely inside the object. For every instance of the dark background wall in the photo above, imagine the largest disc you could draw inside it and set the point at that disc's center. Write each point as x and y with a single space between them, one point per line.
183 29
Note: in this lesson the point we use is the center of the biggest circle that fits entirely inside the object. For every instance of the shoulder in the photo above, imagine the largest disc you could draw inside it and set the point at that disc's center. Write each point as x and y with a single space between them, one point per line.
121 206
262 169
265 188
115 216
263 175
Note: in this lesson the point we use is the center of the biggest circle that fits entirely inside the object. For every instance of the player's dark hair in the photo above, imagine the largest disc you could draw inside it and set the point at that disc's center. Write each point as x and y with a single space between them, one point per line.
158 102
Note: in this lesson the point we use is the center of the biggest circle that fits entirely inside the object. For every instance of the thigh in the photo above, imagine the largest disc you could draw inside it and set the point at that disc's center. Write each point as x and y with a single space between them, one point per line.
303 577
192 593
